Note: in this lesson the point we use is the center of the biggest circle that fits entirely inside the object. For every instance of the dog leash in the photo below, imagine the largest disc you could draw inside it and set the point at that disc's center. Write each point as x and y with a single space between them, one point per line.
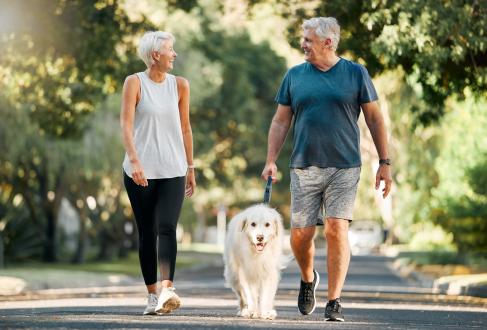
268 190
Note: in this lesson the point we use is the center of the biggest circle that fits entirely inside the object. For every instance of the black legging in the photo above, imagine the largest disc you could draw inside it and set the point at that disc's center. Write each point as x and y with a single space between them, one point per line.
158 204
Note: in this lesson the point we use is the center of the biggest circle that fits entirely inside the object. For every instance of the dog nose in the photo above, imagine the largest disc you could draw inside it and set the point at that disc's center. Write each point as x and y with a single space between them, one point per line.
260 238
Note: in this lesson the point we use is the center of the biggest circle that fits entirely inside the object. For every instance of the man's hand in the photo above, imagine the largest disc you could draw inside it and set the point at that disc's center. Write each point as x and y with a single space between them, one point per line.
384 174
270 169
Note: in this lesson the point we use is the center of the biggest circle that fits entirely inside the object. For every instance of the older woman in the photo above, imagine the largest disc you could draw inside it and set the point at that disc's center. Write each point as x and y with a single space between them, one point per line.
158 165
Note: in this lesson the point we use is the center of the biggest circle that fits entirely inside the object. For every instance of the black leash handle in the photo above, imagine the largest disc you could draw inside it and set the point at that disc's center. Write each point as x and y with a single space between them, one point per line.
268 190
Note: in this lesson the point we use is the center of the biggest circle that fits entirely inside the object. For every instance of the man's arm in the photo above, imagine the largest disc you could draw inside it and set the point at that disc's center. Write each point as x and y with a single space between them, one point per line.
375 122
277 135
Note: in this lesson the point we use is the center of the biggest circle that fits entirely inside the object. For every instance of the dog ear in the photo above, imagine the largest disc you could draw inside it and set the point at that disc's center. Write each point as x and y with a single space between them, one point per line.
276 227
278 224
244 224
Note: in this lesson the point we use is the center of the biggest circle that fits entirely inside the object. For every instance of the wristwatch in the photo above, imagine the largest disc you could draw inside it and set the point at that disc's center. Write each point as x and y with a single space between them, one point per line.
386 161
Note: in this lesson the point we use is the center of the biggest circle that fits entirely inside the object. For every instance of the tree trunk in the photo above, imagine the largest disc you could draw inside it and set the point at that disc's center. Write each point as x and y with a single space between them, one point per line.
108 248
79 256
2 263
51 210
50 242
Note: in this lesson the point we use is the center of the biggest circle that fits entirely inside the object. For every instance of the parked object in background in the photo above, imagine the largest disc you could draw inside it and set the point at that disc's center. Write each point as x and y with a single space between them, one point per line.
365 236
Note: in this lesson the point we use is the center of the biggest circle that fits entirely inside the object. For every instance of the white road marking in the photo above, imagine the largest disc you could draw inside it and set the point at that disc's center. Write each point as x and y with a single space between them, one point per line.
215 302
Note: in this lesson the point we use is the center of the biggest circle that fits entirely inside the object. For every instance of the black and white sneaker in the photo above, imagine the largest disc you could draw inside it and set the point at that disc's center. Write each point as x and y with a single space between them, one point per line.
307 296
333 311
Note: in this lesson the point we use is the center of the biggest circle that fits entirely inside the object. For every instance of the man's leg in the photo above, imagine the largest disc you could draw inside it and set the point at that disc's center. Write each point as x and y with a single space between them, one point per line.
303 247
306 201
338 256
304 250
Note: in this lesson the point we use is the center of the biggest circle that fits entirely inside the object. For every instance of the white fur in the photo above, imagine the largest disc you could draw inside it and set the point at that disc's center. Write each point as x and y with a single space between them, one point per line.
252 274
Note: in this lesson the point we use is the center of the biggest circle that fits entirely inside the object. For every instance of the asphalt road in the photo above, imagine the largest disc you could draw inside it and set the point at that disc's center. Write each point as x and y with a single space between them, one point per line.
375 297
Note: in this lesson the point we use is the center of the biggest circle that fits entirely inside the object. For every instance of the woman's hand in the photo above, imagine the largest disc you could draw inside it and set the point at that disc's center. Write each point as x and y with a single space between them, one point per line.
138 175
190 182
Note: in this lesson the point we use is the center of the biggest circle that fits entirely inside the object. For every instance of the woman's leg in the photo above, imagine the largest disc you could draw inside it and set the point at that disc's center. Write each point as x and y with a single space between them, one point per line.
143 201
170 195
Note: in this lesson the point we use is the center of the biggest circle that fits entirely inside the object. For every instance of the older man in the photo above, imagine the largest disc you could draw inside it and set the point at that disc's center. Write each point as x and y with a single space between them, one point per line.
325 95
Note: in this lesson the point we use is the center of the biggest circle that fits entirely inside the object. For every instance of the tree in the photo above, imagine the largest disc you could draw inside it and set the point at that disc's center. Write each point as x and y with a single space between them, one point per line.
439 45
231 124
63 58
459 202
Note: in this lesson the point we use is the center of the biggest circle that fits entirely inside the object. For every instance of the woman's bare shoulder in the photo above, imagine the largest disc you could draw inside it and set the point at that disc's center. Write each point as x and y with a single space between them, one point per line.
182 82
132 79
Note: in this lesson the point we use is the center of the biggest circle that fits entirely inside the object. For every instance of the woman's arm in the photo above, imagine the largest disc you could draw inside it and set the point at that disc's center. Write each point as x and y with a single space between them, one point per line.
130 97
183 91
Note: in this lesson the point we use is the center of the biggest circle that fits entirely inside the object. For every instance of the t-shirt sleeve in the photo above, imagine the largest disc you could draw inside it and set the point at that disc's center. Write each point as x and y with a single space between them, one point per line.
284 94
367 92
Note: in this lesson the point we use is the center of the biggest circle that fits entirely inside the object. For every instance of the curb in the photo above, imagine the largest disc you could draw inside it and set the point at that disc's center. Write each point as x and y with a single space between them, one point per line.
408 271
455 285
469 285
91 292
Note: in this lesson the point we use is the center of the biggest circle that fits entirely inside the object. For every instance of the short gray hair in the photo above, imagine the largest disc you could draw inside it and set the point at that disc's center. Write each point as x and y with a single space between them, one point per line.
324 27
152 41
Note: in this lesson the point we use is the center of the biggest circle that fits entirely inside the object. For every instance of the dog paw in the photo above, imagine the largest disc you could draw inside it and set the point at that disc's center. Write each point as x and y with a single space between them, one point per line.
254 314
244 312
269 315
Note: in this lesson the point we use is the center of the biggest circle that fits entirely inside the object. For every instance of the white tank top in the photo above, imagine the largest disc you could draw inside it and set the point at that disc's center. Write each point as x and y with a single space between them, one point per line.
158 137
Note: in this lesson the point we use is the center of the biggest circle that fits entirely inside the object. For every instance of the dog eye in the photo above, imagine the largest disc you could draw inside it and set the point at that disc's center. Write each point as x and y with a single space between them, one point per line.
267 224
253 224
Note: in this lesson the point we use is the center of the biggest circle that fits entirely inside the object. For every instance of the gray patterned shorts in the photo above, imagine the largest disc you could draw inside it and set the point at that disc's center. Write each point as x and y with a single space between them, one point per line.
314 188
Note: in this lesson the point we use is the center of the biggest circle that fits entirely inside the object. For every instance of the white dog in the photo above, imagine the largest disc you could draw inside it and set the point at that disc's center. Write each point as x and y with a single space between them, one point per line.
253 260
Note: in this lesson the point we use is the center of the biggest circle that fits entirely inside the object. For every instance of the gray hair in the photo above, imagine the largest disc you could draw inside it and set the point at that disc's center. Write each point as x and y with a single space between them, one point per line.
152 41
324 27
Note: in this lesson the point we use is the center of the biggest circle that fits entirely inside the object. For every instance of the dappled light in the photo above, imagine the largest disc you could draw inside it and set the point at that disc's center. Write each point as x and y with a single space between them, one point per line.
63 65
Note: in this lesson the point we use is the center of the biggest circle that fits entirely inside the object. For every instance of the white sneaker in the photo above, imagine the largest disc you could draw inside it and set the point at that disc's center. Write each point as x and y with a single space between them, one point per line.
151 304
168 301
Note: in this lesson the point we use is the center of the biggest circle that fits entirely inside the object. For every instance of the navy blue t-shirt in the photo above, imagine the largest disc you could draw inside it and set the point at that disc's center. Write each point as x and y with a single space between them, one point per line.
326 107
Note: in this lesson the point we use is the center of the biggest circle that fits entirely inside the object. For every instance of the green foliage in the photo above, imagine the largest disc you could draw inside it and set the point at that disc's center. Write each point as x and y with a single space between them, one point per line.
439 45
477 177
59 134
233 82
459 204
21 241
59 60
414 151
237 116
467 220
435 257
63 58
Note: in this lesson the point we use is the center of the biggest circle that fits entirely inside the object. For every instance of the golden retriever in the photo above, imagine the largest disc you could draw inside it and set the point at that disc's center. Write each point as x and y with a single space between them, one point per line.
253 260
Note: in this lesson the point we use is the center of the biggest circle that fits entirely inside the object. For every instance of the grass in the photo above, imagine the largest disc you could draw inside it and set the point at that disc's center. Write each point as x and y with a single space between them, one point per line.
37 275
126 266
443 258
444 263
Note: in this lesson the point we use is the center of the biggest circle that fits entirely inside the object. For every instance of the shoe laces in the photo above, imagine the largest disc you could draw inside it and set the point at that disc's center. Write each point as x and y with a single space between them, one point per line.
152 298
307 293
334 305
